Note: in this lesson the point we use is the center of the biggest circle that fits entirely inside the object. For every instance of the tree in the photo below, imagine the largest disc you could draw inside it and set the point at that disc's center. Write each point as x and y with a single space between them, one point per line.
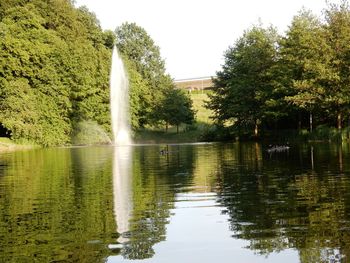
18 109
55 61
338 35
29 73
134 42
305 54
140 96
244 85
143 56
176 108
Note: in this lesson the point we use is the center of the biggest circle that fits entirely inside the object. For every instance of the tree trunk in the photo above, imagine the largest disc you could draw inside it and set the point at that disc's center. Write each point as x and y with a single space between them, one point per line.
177 128
340 156
312 157
166 127
310 121
339 119
349 128
299 121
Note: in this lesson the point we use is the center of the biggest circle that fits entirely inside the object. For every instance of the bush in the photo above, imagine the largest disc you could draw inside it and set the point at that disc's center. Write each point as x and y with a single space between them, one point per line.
325 133
215 133
89 133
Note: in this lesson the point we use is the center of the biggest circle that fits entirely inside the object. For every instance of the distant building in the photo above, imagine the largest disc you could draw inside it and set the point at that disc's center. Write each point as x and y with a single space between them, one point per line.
191 84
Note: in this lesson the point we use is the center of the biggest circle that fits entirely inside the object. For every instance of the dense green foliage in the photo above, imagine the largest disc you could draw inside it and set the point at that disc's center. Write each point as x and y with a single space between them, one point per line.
295 81
176 108
55 61
54 67
243 86
54 73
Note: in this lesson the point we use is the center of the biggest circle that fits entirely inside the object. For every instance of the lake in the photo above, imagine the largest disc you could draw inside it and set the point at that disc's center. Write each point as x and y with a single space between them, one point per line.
232 202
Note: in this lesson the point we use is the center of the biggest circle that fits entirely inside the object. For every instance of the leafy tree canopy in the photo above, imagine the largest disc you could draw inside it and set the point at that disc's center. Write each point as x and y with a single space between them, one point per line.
176 108
270 79
244 85
54 69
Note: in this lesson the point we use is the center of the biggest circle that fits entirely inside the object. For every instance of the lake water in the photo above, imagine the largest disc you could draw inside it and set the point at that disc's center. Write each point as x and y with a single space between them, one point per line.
222 203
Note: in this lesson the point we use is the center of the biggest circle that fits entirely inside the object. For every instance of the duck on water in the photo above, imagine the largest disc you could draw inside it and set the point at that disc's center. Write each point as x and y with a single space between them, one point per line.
278 148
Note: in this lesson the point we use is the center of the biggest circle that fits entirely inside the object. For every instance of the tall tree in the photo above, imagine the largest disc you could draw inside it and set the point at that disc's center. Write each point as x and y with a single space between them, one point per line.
144 57
140 96
134 42
338 35
306 59
244 85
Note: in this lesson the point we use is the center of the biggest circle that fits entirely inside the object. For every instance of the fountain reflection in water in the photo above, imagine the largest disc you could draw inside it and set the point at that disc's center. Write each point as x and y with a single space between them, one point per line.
119 101
122 190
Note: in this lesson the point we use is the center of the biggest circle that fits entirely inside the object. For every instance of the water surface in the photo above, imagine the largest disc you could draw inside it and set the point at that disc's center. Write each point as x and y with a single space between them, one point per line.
195 203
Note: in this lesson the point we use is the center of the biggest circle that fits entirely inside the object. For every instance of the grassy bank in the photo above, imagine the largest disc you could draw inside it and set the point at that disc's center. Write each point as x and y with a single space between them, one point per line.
7 145
187 133
159 136
321 133
325 133
202 114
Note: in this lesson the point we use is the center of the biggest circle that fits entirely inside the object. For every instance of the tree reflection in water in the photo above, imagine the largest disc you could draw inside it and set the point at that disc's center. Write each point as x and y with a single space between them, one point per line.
287 204
56 205
92 204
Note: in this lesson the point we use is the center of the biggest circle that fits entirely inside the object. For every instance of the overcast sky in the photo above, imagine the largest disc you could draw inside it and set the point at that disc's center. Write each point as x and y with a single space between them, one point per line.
193 34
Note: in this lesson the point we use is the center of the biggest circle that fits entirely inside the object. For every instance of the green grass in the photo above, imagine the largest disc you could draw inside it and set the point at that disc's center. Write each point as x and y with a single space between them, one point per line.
160 136
202 114
4 140
6 144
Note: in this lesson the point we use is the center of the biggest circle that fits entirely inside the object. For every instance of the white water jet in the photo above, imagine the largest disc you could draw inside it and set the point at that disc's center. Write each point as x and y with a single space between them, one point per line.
119 101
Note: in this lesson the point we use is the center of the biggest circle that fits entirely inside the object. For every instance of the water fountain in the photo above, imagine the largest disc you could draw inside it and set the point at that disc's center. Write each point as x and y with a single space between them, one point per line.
119 101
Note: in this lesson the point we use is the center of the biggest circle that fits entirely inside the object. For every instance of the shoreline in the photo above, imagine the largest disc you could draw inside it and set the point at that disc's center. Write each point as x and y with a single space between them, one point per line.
9 147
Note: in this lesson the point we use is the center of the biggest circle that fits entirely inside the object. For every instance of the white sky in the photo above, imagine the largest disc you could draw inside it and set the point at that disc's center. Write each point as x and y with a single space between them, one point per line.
193 34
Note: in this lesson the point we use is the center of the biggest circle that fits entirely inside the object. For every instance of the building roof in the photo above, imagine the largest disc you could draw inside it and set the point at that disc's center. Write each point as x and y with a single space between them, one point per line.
200 83
192 79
